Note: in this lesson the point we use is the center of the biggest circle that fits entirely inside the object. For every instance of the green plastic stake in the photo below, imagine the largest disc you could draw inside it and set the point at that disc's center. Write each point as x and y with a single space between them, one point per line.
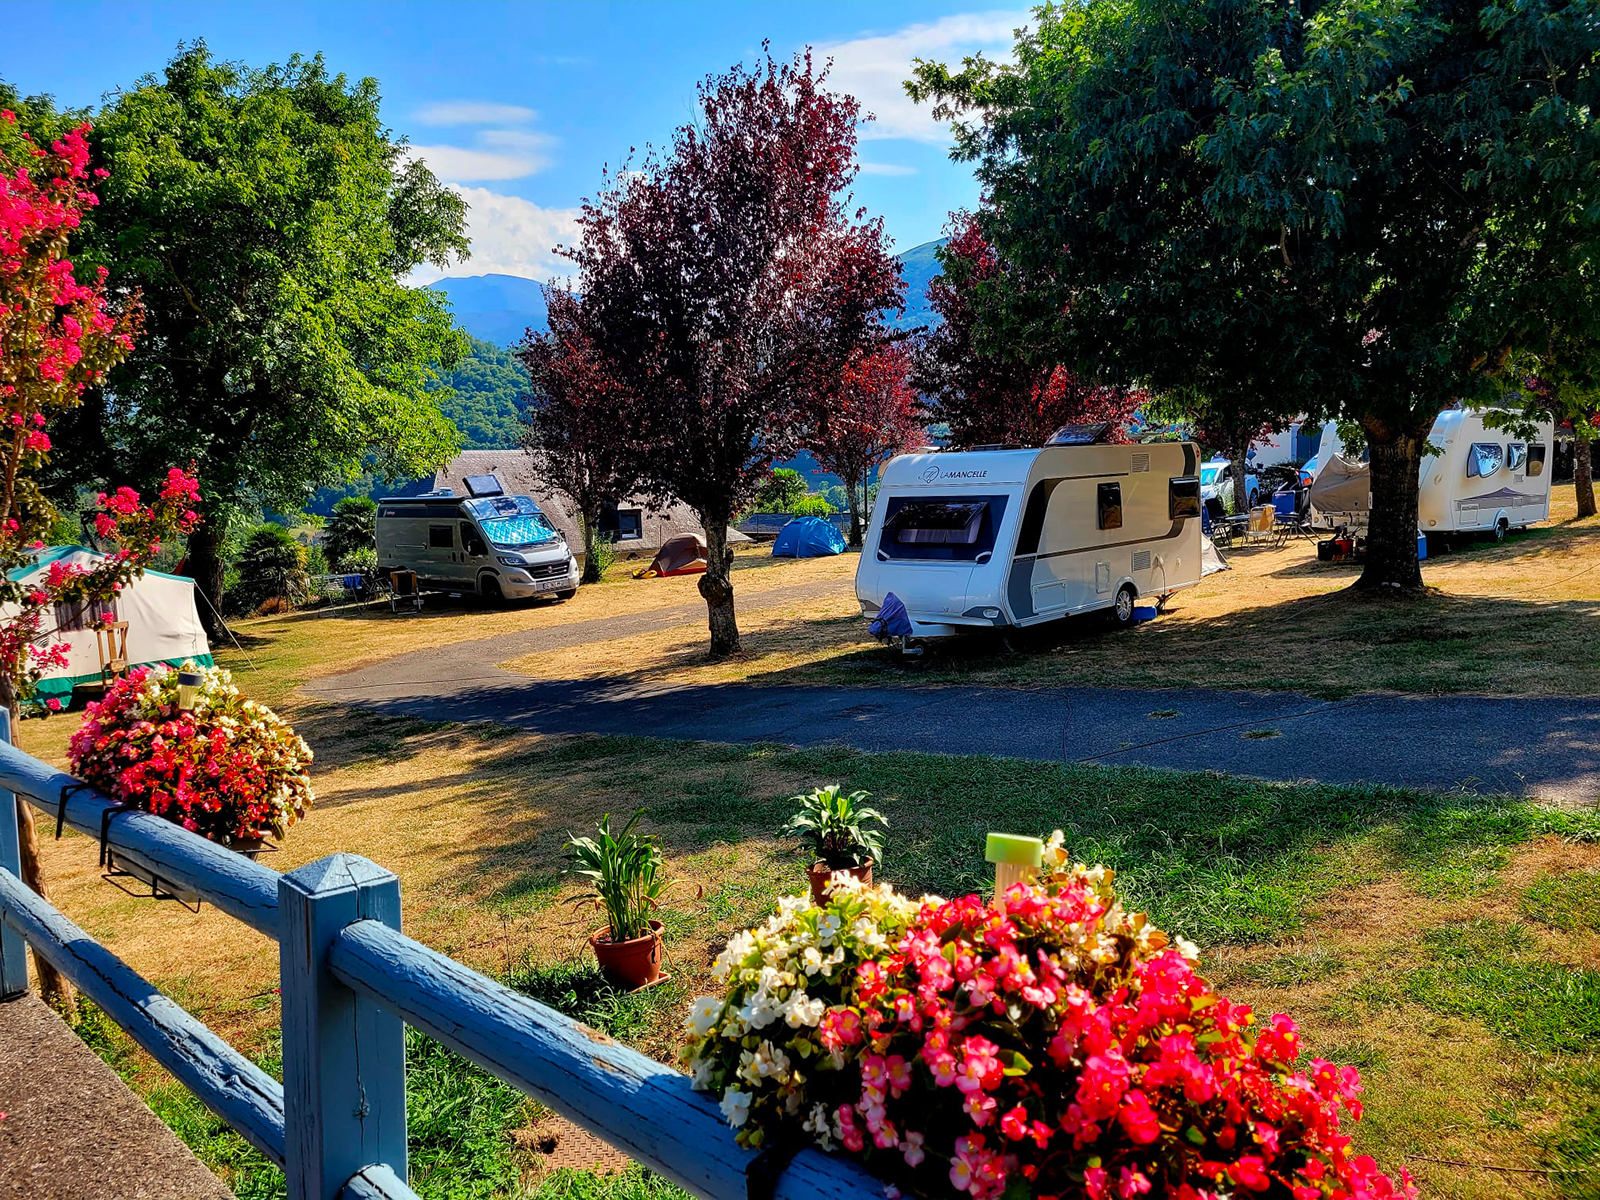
1015 858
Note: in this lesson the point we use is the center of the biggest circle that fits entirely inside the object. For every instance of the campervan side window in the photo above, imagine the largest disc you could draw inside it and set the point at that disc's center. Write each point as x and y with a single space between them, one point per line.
1484 459
1108 505
960 528
1516 456
1183 497
1536 460
441 537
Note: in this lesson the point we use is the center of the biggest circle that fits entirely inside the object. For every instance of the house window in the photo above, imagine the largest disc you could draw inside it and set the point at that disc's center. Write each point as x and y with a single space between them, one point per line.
1183 497
1536 460
622 524
441 537
1108 502
1484 459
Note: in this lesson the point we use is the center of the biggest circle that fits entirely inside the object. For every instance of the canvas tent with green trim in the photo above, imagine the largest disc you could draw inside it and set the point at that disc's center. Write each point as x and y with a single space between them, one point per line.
163 623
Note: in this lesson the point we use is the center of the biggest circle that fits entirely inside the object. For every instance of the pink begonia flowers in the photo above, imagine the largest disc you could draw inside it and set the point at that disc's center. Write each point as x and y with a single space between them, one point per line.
1053 1041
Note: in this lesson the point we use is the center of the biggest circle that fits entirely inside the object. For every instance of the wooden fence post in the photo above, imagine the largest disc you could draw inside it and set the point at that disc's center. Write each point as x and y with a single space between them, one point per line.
344 1065
13 950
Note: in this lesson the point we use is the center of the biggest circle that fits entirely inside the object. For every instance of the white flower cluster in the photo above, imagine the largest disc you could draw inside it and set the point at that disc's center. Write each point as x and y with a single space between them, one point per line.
755 1044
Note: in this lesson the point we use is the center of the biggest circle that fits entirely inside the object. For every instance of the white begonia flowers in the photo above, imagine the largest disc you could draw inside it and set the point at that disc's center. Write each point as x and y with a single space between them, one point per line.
704 1014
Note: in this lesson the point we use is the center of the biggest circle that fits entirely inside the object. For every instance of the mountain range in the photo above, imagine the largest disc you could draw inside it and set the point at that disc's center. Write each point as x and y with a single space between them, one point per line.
499 309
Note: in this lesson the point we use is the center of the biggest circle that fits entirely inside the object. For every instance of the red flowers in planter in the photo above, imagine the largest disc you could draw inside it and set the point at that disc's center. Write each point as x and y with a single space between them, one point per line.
229 769
1054 1041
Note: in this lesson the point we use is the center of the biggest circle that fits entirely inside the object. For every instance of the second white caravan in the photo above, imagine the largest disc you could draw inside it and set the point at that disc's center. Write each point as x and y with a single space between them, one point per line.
995 538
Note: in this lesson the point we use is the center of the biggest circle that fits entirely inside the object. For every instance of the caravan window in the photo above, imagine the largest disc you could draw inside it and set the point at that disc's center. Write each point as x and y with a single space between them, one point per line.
1108 505
1183 497
1516 456
941 527
1484 458
1536 460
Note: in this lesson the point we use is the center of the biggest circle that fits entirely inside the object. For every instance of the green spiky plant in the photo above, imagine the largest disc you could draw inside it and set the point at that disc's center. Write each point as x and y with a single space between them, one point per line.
624 870
836 826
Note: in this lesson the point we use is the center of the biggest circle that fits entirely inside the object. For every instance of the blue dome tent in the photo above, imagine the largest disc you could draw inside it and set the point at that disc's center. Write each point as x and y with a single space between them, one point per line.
808 537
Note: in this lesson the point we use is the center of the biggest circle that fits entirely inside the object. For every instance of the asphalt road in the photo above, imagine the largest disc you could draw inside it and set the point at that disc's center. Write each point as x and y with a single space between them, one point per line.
1543 747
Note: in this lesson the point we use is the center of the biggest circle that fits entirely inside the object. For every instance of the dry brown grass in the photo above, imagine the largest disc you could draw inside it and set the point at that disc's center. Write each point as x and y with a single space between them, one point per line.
1517 619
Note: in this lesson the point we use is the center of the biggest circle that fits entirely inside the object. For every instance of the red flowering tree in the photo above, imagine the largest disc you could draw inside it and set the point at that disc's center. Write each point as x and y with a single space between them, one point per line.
729 282
873 416
570 426
58 335
971 379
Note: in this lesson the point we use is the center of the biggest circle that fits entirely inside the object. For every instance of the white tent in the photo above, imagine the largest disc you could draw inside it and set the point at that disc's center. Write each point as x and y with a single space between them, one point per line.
163 623
1211 560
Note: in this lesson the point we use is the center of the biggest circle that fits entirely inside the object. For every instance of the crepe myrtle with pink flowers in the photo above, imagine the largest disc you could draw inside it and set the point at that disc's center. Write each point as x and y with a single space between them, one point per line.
58 336
1047 1044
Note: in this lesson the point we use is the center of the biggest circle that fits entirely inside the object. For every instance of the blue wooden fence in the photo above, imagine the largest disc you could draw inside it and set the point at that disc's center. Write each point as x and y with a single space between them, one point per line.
351 982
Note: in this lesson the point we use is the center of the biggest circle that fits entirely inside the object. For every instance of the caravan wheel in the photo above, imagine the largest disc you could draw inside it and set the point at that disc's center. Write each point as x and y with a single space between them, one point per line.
1122 610
1501 527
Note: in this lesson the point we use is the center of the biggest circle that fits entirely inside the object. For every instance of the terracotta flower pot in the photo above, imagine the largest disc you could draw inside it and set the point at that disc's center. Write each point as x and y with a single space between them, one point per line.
820 872
631 964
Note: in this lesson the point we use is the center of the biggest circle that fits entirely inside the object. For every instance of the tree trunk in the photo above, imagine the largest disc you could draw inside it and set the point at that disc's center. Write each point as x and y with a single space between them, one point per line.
1392 525
850 487
1583 468
206 568
1241 486
591 560
716 585
53 985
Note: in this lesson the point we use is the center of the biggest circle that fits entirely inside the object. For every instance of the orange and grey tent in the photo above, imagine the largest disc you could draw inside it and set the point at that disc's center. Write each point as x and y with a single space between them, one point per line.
682 555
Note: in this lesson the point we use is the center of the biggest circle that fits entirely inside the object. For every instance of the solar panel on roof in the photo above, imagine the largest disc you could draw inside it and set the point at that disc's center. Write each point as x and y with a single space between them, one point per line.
483 485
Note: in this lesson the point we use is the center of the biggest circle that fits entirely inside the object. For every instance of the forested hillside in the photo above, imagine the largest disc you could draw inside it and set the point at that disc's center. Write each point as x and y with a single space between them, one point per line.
489 385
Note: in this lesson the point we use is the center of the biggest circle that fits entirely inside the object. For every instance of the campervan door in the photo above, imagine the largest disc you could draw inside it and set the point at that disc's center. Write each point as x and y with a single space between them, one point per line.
1483 480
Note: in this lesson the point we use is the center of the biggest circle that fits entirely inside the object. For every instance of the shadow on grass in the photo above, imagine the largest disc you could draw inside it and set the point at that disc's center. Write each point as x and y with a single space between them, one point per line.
1217 858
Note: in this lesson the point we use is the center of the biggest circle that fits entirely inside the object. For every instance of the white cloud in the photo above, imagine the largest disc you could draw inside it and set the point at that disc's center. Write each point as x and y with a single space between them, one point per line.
472 112
511 236
877 168
874 68
457 164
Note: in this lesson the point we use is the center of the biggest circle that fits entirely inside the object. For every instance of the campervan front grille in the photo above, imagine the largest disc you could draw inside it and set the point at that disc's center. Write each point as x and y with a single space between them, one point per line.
548 570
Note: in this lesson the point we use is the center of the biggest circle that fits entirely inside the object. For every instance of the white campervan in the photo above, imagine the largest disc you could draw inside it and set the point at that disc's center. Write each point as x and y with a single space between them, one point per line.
1473 479
994 538
1483 480
487 544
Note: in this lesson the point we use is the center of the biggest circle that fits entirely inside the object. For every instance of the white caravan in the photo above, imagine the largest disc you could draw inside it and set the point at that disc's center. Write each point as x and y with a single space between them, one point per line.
1481 480
488 544
1484 480
996 538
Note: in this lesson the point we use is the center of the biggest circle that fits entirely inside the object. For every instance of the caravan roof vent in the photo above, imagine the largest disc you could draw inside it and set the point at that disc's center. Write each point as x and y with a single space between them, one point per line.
437 492
483 485
1080 435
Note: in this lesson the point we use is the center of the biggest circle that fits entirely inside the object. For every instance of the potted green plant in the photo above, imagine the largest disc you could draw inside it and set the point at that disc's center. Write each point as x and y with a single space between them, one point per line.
837 828
624 871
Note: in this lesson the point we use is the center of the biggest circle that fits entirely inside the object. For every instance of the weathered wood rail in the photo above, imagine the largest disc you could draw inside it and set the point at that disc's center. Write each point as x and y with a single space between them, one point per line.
351 982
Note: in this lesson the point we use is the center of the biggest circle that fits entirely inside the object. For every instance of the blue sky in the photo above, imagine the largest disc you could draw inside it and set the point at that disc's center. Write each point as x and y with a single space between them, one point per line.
519 105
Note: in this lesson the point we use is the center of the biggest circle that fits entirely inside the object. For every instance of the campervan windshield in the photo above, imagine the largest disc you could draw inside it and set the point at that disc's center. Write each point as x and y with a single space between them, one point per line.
949 527
511 521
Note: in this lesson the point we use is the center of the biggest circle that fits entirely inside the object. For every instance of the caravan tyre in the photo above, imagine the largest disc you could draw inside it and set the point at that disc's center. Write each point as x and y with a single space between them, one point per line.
1501 527
1122 609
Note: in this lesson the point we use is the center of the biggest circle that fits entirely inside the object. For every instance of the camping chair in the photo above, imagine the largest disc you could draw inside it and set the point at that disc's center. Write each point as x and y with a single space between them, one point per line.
1262 520
111 640
403 590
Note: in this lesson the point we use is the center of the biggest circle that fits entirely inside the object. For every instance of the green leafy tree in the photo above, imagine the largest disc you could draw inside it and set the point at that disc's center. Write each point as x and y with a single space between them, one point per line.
1348 206
269 218
781 492
353 526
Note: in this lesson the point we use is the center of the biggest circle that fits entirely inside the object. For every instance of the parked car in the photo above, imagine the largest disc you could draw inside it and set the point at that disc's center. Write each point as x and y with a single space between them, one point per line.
1216 480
